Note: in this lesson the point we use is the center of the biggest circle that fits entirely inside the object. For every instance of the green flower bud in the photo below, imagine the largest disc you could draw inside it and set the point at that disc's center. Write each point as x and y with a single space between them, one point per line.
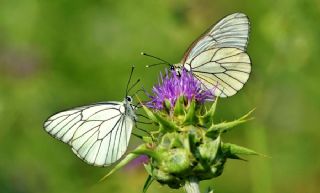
176 161
162 176
189 144
166 178
208 149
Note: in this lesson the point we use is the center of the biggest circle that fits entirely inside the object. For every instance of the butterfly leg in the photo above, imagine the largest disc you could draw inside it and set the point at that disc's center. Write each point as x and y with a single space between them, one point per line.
146 123
138 136
141 115
143 130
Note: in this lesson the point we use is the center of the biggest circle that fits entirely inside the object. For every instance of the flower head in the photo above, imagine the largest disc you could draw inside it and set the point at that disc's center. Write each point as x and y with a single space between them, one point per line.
172 86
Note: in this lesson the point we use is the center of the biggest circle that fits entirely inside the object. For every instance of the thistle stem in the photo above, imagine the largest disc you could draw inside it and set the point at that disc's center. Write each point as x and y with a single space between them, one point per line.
192 185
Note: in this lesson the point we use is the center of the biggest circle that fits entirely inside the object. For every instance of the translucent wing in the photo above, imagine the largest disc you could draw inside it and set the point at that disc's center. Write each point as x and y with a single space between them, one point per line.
231 31
223 70
99 134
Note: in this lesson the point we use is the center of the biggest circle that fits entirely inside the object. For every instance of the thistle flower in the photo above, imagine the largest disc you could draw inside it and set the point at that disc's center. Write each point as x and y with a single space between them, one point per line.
172 86
186 146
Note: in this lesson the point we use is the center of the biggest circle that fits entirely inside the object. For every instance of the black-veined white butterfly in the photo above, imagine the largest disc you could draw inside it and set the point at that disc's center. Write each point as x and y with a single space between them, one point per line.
218 58
99 133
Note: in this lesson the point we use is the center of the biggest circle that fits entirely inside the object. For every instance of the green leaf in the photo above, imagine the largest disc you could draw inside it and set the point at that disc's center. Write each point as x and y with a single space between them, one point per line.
144 150
207 119
167 105
150 114
236 157
216 129
165 124
209 149
192 143
234 150
140 150
122 163
147 139
147 184
179 107
209 190
190 117
148 168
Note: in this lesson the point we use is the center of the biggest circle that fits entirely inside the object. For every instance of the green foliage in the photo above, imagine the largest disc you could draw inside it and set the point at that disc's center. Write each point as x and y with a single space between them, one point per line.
148 182
216 129
60 54
122 163
186 148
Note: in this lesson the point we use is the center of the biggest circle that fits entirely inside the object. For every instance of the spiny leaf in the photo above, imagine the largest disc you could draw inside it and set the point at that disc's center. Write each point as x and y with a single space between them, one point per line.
167 105
122 163
216 129
147 139
209 190
144 150
209 149
148 168
207 119
165 124
234 150
148 112
178 108
236 157
140 150
147 184
190 117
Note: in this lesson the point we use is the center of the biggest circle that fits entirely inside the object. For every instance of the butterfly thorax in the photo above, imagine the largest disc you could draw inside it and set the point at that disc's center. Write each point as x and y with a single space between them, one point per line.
178 68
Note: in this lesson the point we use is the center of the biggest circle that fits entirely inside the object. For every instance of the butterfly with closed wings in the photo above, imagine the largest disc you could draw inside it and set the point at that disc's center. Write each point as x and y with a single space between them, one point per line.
218 58
99 133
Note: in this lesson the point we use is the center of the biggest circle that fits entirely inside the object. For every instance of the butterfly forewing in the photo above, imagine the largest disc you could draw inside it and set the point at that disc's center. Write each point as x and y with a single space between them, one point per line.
231 31
99 134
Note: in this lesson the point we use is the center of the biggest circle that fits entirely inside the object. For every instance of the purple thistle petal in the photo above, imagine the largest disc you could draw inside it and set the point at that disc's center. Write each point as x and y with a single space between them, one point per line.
171 86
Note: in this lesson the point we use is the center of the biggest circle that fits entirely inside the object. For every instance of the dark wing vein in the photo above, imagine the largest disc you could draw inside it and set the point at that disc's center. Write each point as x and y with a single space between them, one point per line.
232 27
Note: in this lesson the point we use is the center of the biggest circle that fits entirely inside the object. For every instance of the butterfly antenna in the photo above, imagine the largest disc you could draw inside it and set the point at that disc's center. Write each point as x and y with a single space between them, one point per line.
151 56
131 87
156 64
127 88
141 90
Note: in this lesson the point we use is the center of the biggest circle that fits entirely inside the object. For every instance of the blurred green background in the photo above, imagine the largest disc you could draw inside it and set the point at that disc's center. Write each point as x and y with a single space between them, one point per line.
60 54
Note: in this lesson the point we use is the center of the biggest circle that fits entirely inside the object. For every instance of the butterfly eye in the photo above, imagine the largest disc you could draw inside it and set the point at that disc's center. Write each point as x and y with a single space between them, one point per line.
171 67
129 98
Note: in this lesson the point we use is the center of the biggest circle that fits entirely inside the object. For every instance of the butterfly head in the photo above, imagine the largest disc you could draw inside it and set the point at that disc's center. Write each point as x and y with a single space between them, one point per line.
176 68
128 100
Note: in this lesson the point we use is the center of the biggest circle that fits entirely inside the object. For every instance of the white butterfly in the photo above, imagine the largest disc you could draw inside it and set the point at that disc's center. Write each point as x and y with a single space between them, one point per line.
218 58
99 133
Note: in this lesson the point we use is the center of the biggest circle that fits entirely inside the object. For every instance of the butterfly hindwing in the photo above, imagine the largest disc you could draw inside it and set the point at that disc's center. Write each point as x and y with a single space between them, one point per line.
223 70
98 134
